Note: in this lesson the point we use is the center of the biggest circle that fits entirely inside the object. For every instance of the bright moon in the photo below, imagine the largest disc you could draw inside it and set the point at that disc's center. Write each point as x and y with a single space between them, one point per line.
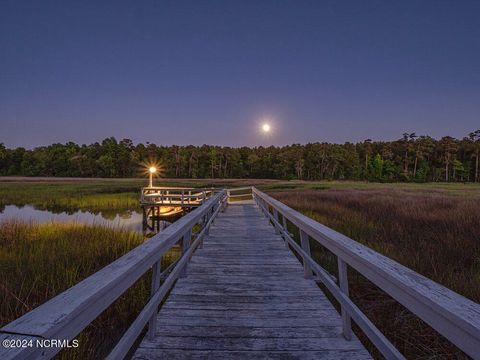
266 127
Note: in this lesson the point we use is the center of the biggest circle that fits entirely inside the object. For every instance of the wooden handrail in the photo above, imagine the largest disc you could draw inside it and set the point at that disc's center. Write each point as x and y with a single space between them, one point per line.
243 194
240 189
349 309
179 195
128 339
452 315
173 195
176 189
68 313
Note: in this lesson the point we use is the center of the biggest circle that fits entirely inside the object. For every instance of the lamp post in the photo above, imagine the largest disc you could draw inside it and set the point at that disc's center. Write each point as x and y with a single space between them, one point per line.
152 170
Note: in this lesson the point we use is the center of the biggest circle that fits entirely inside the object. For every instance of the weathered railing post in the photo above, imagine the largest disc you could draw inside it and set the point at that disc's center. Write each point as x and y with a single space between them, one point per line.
275 216
285 228
185 245
343 283
207 218
201 222
156 273
213 212
305 243
144 218
260 204
265 208
224 204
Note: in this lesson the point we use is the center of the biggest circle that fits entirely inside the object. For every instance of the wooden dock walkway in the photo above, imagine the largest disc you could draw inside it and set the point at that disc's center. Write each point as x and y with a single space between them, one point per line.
243 288
245 297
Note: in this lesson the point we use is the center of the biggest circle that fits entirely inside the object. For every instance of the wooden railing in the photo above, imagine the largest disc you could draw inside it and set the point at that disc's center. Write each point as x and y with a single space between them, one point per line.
241 193
67 314
452 315
175 196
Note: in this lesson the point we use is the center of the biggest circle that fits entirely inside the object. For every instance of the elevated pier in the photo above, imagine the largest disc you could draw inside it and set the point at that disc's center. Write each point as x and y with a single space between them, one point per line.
245 297
168 203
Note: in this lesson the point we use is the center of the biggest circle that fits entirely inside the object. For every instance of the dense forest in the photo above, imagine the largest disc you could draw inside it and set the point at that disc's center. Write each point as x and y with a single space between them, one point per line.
411 158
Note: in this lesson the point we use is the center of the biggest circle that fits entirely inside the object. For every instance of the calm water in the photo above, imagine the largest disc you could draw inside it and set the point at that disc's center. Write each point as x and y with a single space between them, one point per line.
129 220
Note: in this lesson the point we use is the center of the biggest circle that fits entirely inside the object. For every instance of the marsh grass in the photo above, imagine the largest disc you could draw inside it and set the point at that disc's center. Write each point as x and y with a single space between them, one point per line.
70 197
431 231
39 261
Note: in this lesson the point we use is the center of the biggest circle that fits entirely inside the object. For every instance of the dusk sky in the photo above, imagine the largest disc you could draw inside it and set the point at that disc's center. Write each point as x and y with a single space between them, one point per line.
195 72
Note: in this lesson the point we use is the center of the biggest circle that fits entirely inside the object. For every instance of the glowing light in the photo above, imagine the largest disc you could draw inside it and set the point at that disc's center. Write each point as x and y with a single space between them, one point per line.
151 170
266 128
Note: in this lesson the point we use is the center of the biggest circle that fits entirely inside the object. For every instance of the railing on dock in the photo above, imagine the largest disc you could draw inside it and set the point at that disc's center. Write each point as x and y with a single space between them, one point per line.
238 194
67 314
175 196
450 314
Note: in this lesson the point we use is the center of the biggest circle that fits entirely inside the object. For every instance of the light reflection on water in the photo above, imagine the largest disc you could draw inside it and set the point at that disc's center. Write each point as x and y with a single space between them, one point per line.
128 219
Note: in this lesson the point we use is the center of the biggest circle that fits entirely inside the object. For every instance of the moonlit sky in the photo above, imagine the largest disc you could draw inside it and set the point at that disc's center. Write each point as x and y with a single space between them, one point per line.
195 72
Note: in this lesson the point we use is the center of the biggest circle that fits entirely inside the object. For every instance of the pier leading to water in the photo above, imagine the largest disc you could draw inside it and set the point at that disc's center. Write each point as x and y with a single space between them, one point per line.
238 291
160 204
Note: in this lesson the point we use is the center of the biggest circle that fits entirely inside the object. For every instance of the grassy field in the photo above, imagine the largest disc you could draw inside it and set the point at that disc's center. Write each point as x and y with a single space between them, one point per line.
39 261
431 228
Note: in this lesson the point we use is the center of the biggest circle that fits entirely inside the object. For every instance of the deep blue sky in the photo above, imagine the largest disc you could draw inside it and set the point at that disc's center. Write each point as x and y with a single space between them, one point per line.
181 72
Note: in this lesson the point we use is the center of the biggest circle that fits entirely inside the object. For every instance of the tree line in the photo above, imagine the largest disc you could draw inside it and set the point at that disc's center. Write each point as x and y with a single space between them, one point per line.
410 158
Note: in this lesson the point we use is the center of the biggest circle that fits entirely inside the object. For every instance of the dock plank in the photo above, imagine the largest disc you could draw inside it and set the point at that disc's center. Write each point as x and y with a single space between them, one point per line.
245 297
